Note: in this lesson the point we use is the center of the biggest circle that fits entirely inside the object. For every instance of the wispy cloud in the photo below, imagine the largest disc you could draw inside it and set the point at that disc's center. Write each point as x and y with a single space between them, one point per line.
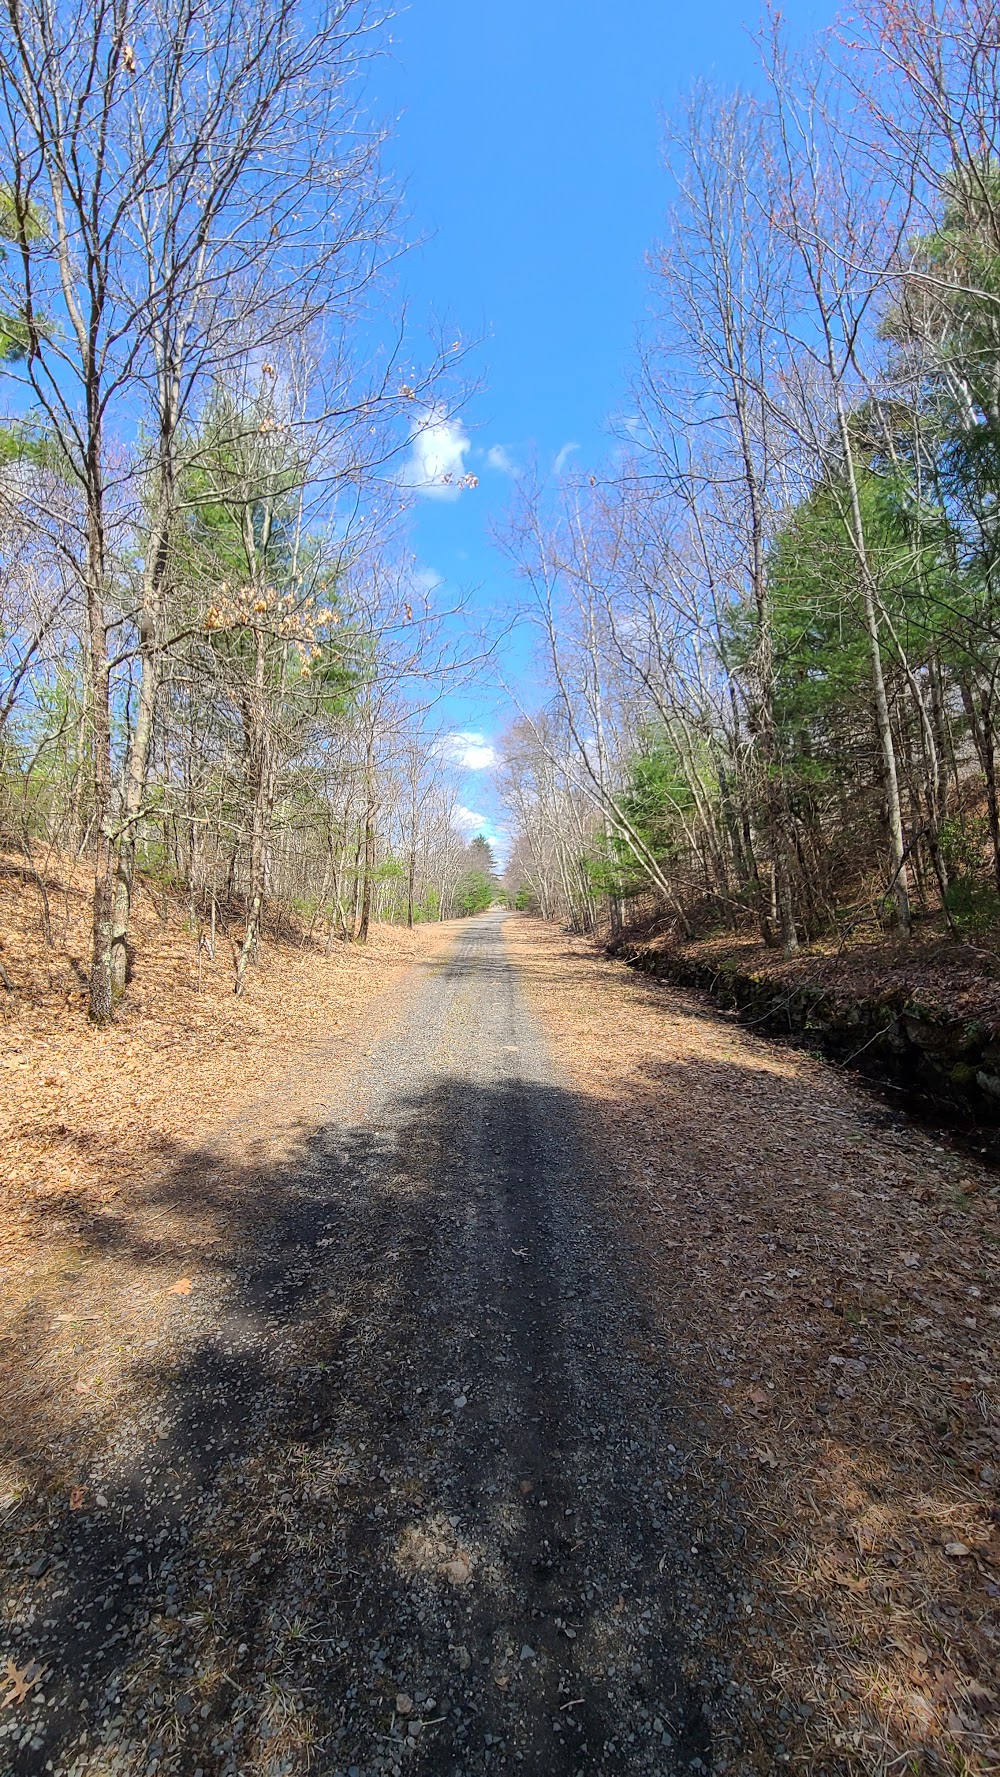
501 839
631 424
425 581
499 458
563 458
470 751
468 821
435 466
496 834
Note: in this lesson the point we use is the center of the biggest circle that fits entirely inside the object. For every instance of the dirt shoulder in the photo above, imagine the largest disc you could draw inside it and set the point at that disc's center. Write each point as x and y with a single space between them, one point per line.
127 1152
828 1279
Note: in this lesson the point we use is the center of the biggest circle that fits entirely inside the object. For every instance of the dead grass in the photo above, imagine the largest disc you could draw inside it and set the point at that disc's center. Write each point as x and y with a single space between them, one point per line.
829 1279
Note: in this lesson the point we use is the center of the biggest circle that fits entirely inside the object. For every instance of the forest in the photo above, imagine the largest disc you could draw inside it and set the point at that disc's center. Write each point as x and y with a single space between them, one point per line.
770 624
219 666
767 627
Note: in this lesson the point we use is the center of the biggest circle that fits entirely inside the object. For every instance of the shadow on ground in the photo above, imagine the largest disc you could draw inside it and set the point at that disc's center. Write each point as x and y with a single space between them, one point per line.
410 1436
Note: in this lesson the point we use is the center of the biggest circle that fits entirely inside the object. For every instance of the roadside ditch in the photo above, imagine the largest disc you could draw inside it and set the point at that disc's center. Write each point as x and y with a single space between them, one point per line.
937 1065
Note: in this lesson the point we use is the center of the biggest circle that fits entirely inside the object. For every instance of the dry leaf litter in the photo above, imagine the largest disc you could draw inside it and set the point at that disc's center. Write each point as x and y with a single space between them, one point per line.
826 1275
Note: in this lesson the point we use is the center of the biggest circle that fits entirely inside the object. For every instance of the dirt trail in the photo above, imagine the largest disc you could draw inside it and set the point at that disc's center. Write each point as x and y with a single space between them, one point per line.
404 1481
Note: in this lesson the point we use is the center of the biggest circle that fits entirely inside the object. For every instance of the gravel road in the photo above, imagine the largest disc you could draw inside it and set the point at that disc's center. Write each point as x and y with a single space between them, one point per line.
410 1488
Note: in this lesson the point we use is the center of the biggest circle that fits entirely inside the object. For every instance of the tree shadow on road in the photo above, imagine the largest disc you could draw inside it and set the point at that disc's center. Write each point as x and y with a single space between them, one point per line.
409 1435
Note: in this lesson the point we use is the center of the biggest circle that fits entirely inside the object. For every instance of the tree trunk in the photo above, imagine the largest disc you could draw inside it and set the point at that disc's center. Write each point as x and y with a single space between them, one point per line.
258 861
897 843
101 999
135 789
989 763
369 878
150 643
262 785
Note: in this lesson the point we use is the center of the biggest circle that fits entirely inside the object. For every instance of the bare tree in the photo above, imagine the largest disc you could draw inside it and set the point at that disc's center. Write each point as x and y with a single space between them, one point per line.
846 234
709 373
268 215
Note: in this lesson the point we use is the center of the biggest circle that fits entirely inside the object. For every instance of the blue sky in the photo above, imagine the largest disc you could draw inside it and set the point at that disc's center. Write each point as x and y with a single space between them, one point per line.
527 136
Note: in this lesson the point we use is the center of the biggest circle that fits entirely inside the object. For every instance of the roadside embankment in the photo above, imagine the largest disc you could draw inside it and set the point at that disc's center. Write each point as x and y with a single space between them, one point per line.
88 1117
924 1020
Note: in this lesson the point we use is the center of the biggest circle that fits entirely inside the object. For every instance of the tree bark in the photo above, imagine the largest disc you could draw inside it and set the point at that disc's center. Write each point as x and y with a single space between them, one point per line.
101 999
887 745
369 877
262 790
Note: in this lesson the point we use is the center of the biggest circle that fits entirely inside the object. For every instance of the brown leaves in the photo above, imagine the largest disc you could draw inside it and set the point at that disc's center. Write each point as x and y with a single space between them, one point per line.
834 1569
821 1288
458 1570
77 1498
22 1682
181 1288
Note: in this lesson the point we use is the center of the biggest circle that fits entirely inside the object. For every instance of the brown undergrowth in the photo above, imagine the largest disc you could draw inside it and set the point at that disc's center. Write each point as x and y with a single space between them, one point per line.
946 978
827 1277
189 1079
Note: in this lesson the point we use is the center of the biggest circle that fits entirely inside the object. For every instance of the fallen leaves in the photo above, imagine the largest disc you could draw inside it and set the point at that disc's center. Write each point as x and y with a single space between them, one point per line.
820 1271
77 1498
22 1681
458 1570
88 1120
181 1288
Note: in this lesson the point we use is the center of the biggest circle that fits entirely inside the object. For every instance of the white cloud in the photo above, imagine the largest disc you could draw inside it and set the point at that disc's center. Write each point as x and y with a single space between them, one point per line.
468 821
425 581
470 751
435 466
498 458
563 458
498 837
631 423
